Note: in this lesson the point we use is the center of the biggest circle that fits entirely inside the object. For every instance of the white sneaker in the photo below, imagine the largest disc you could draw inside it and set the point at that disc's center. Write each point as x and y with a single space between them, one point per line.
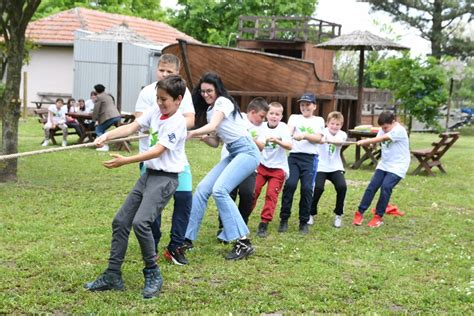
311 220
338 221
45 143
103 148
64 143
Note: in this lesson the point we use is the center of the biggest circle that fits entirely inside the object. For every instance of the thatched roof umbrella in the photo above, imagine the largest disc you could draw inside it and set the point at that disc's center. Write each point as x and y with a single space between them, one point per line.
360 40
120 34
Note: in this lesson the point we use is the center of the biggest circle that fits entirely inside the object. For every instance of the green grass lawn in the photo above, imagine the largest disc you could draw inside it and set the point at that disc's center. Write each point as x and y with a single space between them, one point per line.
55 230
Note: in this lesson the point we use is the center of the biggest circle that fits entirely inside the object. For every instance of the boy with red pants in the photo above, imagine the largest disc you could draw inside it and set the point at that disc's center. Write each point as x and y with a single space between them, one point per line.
273 166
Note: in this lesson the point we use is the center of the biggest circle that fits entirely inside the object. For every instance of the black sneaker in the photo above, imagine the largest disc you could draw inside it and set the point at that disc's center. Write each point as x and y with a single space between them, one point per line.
304 228
176 257
262 230
242 249
283 226
153 282
187 245
105 282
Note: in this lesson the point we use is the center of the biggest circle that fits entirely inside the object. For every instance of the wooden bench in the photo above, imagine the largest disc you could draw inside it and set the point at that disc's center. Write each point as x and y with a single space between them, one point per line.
43 118
431 157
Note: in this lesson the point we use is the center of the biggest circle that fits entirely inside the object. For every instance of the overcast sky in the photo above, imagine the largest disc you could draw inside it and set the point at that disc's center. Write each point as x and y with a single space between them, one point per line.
354 15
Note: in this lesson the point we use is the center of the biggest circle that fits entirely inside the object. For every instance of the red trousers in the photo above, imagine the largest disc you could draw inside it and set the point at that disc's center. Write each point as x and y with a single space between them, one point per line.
275 179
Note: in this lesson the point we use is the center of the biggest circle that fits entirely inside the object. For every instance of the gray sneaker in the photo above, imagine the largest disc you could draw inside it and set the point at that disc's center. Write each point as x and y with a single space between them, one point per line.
153 282
304 228
262 230
105 282
242 249
283 226
338 221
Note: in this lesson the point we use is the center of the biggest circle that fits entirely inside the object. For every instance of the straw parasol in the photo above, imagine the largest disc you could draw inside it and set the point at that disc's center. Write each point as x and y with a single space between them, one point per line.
120 34
362 41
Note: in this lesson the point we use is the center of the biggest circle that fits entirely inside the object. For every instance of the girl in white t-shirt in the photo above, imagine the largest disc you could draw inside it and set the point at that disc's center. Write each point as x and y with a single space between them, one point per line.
223 117
330 167
390 170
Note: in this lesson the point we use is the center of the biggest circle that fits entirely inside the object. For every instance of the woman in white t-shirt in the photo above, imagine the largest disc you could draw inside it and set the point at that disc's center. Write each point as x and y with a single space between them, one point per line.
223 117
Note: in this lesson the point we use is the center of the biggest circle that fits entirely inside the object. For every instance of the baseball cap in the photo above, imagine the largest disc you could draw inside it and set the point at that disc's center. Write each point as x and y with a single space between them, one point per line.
307 97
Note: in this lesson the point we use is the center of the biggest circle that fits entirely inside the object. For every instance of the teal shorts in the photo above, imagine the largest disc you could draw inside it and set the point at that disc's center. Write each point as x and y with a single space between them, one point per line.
185 180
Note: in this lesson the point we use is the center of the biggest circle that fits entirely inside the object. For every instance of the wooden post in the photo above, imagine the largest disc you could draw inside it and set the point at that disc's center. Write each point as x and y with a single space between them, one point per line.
360 90
119 76
184 55
25 94
449 103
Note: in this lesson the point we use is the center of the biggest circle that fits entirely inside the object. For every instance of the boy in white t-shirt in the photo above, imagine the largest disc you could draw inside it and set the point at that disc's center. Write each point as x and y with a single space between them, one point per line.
390 170
56 118
153 190
273 166
330 167
169 65
306 130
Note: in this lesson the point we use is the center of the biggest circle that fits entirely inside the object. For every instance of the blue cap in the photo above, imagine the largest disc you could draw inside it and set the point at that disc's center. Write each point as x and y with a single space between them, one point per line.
307 97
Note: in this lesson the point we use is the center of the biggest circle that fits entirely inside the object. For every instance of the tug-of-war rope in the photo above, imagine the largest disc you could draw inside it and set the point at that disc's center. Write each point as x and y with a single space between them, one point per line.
53 150
117 140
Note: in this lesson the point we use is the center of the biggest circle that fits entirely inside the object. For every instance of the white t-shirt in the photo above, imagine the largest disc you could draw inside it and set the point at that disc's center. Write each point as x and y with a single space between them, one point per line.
395 151
58 116
232 127
312 125
254 131
330 154
147 99
273 155
89 106
171 133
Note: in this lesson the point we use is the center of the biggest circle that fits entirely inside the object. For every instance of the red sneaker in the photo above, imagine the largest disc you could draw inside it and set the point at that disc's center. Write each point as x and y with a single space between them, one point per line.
358 219
376 221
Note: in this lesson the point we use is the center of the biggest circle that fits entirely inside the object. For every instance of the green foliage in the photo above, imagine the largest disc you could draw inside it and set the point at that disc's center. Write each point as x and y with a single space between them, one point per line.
436 20
216 21
419 85
148 9
56 227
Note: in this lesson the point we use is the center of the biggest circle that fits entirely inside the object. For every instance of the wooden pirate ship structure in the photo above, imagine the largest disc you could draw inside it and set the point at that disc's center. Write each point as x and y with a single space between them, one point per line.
275 58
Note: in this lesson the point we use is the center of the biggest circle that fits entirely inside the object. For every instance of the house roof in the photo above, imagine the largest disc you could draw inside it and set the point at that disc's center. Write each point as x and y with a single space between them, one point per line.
58 29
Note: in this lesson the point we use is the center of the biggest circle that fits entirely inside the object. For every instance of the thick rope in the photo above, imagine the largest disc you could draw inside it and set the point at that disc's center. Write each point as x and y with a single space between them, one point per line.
53 150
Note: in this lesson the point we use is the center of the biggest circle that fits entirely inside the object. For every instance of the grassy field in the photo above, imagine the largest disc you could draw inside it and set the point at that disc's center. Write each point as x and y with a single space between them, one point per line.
55 229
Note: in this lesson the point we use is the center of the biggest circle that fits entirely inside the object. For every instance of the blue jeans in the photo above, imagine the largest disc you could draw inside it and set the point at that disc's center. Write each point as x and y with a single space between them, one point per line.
101 128
384 180
243 159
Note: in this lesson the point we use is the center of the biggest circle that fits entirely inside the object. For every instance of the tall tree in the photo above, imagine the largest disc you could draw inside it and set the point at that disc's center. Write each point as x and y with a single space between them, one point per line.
216 21
15 16
148 9
435 19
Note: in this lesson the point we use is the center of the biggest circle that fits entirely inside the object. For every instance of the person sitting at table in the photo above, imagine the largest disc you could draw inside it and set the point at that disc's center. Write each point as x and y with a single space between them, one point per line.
105 113
90 102
83 109
56 118
72 122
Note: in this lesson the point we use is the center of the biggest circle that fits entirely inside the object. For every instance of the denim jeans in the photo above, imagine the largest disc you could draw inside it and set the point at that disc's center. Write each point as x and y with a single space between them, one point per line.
243 159
101 128
384 180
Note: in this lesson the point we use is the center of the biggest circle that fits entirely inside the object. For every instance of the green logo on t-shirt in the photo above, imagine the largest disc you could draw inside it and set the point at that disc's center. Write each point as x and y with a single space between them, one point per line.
153 138
308 130
253 134
386 143
332 149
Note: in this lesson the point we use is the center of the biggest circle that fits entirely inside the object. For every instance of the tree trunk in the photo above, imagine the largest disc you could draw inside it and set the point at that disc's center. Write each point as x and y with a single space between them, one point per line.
11 107
437 30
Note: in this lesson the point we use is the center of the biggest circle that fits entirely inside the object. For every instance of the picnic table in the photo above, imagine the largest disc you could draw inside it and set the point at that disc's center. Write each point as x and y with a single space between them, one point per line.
127 118
50 98
371 152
